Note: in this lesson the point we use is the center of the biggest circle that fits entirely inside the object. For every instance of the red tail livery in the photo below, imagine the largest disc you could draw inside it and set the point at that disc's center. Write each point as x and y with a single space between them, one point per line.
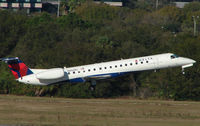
18 68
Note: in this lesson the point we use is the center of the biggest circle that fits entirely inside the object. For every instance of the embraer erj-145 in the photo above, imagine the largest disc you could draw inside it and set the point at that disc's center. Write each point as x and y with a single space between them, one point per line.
96 71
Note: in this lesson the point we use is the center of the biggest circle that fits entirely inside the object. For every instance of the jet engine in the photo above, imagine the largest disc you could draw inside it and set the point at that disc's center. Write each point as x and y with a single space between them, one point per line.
55 73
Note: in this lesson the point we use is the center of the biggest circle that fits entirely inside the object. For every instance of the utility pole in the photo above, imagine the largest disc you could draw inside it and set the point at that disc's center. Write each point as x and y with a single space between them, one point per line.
156 4
58 11
195 25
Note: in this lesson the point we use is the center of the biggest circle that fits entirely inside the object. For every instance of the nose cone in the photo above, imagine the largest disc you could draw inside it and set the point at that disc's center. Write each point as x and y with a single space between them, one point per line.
190 61
186 62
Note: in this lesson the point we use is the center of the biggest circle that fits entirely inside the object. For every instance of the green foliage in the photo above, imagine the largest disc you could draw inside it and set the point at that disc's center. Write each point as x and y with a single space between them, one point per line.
72 21
97 33
192 7
97 12
74 3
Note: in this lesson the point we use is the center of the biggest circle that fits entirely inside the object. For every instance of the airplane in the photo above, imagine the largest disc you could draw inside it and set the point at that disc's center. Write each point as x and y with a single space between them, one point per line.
96 71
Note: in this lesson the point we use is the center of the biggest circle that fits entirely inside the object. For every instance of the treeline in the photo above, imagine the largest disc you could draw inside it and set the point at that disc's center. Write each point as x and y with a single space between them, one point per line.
94 33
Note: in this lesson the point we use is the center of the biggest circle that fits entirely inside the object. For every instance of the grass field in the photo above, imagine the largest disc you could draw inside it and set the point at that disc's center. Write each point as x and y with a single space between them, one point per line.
36 111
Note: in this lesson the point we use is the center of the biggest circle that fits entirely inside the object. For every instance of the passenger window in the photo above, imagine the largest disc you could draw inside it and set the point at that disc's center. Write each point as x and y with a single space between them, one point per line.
68 73
104 67
94 69
115 66
147 61
88 70
100 68
131 64
120 65
110 66
125 64
73 72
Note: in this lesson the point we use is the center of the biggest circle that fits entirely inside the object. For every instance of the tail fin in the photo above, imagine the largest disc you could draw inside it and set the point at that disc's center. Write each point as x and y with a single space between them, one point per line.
18 68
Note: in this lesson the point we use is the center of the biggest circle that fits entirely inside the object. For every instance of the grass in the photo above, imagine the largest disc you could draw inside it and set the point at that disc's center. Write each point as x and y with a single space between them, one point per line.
36 111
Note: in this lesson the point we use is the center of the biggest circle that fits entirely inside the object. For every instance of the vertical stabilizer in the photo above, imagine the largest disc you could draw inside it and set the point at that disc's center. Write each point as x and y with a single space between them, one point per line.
18 68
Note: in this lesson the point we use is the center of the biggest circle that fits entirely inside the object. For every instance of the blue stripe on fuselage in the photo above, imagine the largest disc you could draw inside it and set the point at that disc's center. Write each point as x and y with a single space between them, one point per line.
76 80
109 75
98 76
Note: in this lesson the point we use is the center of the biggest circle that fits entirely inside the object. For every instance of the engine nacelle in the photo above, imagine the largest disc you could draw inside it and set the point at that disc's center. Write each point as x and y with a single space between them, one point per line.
50 74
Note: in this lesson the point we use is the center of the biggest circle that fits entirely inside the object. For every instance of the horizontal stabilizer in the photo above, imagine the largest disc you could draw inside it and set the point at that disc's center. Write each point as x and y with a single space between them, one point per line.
9 59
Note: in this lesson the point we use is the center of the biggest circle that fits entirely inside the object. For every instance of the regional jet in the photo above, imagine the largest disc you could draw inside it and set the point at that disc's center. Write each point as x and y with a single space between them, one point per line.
96 71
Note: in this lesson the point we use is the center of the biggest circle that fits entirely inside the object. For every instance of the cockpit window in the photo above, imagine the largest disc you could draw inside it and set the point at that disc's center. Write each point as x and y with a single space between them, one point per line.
174 56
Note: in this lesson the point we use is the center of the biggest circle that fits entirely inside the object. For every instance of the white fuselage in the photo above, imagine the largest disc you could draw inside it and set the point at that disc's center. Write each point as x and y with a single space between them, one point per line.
105 69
